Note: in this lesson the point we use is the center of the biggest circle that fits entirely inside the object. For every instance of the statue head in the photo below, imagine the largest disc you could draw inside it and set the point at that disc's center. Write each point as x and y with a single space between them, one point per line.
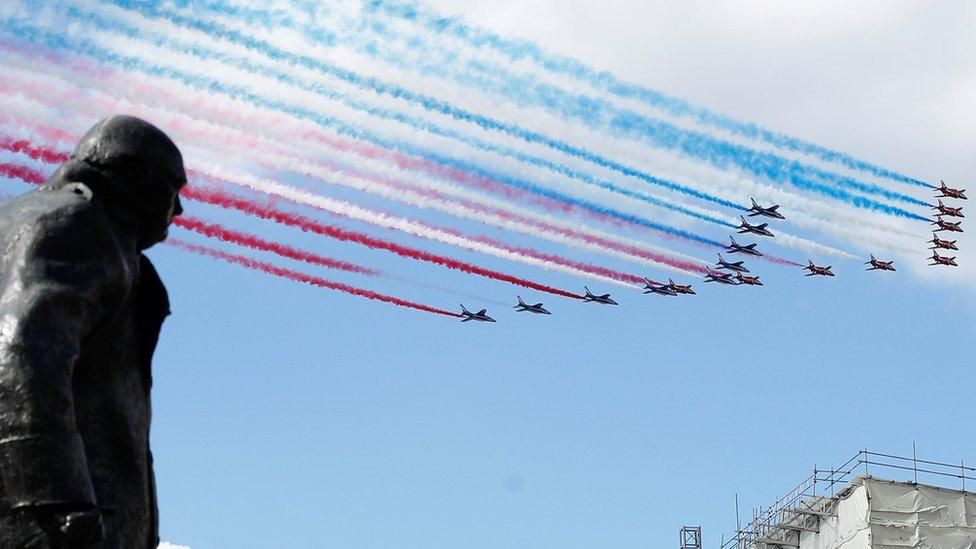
135 170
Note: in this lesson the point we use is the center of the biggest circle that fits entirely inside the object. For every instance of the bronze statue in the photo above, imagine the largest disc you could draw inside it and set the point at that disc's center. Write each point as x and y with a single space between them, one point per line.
80 312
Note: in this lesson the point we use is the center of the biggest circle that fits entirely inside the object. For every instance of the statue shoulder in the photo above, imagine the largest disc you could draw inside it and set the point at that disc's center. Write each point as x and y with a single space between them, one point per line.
62 225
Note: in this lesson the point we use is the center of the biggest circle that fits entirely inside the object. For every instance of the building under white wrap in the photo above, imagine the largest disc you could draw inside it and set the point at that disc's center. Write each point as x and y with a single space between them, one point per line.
874 513
841 511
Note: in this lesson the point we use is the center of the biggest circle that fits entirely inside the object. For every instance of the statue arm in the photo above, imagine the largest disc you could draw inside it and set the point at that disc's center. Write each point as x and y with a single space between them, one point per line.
53 298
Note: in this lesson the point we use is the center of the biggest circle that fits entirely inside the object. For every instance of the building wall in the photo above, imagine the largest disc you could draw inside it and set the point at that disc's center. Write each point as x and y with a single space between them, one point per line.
881 514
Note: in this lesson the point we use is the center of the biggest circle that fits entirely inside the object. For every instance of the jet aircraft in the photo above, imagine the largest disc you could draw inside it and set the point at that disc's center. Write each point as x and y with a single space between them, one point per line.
735 247
948 226
651 287
756 209
480 316
721 278
602 299
949 192
736 266
876 265
938 243
943 260
760 229
524 307
818 271
680 288
948 210
748 280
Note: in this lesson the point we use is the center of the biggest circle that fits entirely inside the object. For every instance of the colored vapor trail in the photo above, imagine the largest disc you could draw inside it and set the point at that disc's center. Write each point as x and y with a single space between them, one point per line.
227 201
28 175
481 244
211 29
304 109
808 246
465 203
311 113
213 230
553 230
516 50
216 231
497 213
661 134
224 200
296 276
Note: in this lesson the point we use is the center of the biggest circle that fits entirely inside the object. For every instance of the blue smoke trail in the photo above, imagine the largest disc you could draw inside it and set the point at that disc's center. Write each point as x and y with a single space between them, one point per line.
86 47
516 49
696 144
135 33
375 85
721 154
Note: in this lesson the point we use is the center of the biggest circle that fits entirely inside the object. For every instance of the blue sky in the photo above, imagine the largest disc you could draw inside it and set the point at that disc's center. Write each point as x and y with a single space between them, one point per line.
289 416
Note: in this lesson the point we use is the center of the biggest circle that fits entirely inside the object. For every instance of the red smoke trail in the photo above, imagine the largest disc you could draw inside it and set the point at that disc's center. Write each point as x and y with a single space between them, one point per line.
369 151
224 200
546 227
52 156
268 268
15 171
227 201
36 153
212 230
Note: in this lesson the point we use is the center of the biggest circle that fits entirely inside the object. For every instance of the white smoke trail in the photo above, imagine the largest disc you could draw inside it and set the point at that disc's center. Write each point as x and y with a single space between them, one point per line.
213 140
788 239
379 219
791 240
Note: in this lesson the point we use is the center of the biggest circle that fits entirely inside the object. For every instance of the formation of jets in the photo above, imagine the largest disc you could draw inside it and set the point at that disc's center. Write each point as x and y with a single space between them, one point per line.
942 210
733 273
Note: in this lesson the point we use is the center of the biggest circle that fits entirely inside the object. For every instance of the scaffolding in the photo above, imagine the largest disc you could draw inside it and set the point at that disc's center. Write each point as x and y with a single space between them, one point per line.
690 537
801 509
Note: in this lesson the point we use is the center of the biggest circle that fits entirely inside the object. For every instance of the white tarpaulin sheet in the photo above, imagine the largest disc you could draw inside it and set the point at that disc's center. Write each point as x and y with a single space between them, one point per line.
880 514
847 529
924 517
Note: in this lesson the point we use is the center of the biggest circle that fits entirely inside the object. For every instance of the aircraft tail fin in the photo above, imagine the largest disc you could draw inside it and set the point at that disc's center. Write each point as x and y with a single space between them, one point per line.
520 302
463 310
754 205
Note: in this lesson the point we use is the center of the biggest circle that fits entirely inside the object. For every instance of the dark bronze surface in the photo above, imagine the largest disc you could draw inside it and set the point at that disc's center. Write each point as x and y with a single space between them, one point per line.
80 312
